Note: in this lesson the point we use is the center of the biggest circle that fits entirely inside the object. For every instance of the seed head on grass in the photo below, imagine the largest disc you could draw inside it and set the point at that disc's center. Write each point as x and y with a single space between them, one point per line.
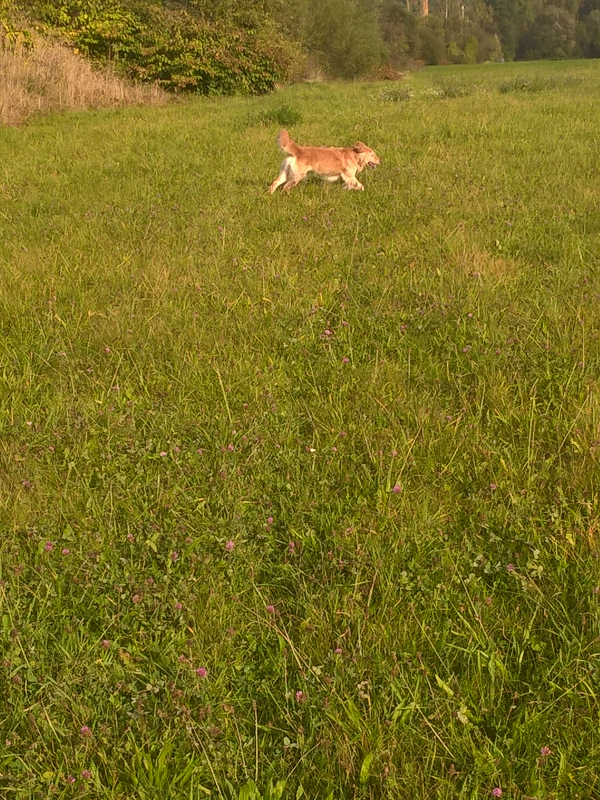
202 672
85 731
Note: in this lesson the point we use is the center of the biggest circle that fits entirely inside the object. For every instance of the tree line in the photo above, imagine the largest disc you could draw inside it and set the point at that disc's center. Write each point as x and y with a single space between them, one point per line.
233 46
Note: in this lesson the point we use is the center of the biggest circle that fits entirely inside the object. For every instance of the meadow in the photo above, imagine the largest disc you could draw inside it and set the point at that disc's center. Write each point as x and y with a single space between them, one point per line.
299 494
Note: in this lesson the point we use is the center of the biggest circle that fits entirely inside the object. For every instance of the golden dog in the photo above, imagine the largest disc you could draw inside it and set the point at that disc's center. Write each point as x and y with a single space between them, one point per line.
328 163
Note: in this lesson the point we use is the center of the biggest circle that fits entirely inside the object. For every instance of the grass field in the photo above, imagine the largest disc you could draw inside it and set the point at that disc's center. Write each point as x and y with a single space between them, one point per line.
304 488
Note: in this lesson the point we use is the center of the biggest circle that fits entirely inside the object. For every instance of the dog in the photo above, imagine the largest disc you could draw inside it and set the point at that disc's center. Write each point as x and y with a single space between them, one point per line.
328 163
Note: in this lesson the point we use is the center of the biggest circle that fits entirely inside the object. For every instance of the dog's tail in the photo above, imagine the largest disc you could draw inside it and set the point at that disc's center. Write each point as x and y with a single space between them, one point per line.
286 143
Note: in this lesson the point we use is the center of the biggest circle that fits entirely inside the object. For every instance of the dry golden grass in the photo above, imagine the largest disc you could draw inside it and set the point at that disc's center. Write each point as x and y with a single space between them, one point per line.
51 77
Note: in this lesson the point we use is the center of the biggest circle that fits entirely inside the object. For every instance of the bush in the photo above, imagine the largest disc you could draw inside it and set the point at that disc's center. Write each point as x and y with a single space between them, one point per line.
178 50
285 116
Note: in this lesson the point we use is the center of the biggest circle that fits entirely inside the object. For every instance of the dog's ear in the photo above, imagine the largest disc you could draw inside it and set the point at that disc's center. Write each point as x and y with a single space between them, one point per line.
359 147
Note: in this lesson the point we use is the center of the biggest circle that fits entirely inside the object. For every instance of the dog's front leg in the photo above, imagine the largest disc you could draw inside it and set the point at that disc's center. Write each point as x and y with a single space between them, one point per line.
354 185
351 181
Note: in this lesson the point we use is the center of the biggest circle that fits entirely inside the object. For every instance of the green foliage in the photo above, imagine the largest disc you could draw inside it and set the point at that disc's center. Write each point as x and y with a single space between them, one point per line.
345 36
512 18
471 50
224 46
431 41
13 28
284 115
525 84
180 51
456 55
551 35
209 58
589 34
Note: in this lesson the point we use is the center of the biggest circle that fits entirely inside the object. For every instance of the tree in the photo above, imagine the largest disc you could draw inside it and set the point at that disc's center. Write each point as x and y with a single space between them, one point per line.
588 35
399 30
512 18
345 36
552 35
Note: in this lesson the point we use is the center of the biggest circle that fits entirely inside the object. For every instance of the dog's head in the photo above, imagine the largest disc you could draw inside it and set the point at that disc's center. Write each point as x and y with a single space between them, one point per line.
367 156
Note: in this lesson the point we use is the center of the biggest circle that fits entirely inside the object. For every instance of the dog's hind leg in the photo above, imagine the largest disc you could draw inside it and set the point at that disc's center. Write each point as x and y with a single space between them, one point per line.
282 177
295 173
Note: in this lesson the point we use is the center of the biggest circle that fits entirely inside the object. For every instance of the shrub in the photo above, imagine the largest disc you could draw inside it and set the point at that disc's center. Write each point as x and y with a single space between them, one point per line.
177 49
285 116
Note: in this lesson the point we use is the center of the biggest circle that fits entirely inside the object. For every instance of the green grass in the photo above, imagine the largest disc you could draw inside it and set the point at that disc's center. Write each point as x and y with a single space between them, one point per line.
187 361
